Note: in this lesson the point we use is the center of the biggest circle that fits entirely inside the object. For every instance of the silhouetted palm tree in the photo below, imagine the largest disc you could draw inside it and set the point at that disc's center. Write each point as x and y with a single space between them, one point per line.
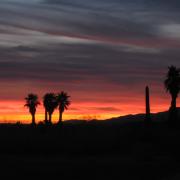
45 103
32 103
50 104
63 103
172 85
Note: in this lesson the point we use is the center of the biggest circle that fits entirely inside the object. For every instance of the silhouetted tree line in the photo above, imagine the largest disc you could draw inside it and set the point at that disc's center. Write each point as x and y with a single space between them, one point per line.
61 101
51 101
172 85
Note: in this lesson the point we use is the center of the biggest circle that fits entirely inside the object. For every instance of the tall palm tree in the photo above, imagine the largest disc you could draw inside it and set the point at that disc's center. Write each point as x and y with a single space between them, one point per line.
50 104
32 103
172 85
63 103
46 105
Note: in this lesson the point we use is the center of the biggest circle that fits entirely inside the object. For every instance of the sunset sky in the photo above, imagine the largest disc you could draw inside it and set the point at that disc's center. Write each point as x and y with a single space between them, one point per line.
102 52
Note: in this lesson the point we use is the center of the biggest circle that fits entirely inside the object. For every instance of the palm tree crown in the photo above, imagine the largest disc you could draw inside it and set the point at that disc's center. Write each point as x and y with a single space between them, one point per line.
172 82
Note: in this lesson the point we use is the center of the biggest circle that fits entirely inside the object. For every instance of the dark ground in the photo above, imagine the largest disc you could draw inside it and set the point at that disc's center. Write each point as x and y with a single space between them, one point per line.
91 151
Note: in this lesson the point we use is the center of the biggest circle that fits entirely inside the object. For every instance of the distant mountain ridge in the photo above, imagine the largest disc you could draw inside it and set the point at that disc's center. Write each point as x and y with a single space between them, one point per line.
156 117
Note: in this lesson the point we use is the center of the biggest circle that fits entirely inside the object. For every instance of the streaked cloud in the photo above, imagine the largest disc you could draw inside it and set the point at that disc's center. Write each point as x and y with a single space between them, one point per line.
170 31
90 48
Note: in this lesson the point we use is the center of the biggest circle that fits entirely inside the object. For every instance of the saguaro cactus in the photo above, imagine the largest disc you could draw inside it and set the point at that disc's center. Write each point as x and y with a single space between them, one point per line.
148 112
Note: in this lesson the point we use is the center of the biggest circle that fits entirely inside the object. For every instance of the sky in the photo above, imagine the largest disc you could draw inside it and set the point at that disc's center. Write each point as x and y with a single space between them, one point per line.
103 53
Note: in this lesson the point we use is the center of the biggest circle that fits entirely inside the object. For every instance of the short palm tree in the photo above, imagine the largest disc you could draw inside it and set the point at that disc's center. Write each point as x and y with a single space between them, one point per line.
50 104
63 103
32 103
172 85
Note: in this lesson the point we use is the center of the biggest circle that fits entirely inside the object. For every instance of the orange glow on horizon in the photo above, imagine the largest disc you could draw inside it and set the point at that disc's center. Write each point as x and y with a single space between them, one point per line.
14 111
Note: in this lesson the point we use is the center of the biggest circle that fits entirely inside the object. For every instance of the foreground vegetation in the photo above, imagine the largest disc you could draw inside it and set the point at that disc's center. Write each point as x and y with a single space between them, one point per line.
91 150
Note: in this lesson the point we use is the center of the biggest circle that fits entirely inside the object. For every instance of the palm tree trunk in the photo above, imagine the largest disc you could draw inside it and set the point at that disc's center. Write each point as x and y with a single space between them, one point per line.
46 117
173 102
173 110
60 116
50 118
33 119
